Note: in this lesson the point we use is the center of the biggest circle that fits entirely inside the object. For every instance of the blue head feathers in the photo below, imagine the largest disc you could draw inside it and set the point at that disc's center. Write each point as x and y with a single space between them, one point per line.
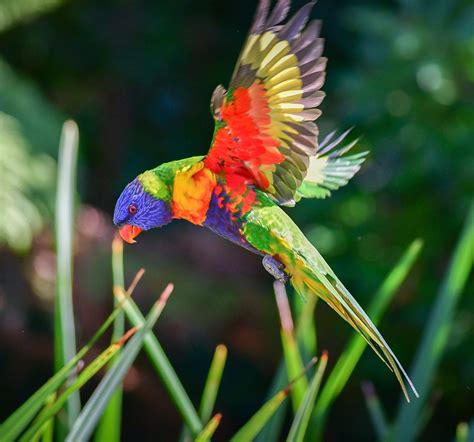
138 208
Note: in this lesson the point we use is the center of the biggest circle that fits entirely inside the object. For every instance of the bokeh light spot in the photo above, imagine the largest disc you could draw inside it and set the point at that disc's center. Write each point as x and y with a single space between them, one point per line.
429 77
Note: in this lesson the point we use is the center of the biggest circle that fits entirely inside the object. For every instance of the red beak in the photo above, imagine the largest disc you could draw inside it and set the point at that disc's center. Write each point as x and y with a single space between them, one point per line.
128 232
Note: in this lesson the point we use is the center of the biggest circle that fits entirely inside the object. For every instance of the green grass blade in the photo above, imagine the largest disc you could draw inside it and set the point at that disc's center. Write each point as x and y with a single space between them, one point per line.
305 325
64 330
211 388
95 406
212 383
436 333
251 429
209 430
350 357
465 432
83 377
293 359
46 432
164 368
16 423
307 342
111 422
271 431
301 420
375 409
462 432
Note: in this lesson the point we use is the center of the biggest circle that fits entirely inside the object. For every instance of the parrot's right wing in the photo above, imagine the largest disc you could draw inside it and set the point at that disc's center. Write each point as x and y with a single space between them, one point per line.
265 133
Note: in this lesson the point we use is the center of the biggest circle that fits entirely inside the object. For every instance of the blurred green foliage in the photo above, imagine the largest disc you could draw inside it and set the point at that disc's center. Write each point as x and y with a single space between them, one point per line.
29 134
29 130
14 11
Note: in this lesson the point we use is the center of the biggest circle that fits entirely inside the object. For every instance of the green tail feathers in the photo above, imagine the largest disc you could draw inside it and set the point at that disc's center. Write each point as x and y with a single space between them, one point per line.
320 279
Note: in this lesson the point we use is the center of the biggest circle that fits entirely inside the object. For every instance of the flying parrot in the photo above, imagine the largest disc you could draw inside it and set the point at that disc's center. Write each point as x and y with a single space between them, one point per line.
264 154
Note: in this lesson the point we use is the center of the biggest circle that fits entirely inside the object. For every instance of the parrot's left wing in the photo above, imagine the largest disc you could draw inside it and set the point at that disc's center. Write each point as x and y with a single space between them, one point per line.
265 132
330 168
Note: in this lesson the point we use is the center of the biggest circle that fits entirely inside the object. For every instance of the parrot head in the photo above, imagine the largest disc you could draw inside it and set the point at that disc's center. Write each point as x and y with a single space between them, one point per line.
142 205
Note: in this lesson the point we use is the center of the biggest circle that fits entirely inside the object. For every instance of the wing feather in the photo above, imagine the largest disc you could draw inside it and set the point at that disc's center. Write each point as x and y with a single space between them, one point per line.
265 130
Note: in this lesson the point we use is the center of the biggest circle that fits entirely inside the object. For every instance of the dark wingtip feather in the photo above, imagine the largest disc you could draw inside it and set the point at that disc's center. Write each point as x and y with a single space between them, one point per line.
260 20
279 13
297 23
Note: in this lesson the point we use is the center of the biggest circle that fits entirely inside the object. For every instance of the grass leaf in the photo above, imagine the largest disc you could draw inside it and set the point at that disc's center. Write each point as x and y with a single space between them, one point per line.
436 333
163 367
211 388
16 423
305 324
376 412
64 330
92 411
293 359
83 377
301 420
255 424
111 422
271 431
465 432
209 430
212 383
250 430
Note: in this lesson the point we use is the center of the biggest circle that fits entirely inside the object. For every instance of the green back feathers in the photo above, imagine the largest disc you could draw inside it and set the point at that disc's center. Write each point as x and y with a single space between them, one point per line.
158 182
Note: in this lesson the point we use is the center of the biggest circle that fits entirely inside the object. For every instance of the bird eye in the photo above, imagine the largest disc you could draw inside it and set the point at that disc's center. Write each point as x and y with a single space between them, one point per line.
132 209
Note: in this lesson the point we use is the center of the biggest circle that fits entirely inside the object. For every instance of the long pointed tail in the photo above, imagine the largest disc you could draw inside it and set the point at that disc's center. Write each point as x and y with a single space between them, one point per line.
321 280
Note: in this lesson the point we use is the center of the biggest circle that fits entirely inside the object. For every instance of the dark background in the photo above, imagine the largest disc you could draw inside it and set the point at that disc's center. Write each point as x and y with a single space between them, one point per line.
137 77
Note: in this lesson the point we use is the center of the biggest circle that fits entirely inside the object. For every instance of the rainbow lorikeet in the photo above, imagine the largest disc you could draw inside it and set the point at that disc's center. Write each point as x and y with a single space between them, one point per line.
264 154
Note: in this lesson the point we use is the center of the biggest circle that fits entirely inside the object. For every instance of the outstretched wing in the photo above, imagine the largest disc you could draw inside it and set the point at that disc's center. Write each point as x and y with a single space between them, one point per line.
330 168
265 133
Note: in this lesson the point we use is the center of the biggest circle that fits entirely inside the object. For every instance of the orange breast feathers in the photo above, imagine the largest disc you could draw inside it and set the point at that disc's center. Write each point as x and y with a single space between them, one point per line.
192 192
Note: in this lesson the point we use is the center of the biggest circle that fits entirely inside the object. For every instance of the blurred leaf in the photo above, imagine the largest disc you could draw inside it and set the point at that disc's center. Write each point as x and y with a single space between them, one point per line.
436 333
64 329
23 176
164 368
300 422
346 363
40 123
376 412
15 11
85 423
29 132
465 432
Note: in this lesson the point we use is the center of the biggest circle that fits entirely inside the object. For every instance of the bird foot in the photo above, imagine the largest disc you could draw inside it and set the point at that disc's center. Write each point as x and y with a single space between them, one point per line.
275 268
